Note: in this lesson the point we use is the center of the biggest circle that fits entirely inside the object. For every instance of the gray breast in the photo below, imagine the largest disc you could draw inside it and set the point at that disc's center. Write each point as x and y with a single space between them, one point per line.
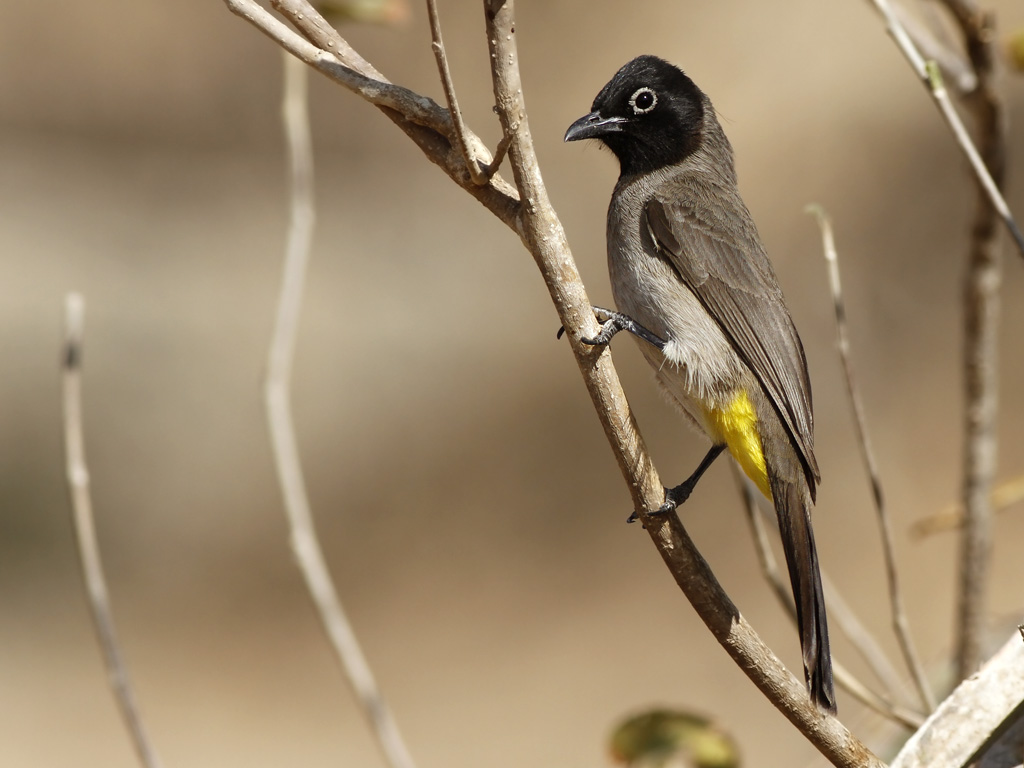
698 363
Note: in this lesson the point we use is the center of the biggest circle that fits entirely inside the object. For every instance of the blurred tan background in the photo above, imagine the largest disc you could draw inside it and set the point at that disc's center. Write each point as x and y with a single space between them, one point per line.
472 513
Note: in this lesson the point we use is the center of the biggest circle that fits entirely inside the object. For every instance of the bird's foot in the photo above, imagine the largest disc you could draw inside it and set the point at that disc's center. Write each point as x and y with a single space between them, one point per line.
680 493
674 497
612 323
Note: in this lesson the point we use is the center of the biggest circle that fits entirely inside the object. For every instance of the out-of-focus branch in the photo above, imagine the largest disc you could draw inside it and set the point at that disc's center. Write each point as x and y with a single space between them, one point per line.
971 718
1004 496
861 639
931 77
981 343
85 532
932 43
900 624
277 395
543 235
840 610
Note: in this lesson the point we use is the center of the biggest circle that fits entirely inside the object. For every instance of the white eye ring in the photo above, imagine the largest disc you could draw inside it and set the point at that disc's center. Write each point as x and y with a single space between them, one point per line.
638 110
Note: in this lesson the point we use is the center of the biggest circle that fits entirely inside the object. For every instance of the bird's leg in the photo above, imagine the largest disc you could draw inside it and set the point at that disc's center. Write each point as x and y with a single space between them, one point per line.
676 496
612 323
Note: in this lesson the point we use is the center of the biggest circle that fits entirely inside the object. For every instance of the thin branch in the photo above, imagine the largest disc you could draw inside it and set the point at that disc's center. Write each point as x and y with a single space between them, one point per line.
861 639
971 718
545 238
954 65
900 624
981 343
85 532
277 394
419 117
864 642
843 614
852 685
477 174
1004 496
929 74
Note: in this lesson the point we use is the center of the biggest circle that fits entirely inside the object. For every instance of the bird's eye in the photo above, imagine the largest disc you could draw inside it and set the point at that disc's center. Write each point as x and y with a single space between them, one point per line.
643 101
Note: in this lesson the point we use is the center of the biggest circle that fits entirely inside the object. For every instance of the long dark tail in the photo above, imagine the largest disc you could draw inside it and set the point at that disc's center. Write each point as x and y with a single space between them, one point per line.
793 506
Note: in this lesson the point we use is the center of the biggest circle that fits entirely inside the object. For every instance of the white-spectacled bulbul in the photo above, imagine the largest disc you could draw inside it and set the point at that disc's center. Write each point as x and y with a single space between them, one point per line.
692 281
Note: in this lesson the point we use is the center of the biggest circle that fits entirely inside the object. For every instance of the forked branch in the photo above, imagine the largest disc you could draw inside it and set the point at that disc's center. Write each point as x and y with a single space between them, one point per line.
479 175
929 73
419 117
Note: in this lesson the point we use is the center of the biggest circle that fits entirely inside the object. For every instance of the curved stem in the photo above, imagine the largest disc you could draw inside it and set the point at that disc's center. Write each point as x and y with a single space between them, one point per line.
277 394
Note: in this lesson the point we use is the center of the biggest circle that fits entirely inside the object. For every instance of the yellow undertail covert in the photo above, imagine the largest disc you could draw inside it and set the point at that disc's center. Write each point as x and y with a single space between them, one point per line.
736 426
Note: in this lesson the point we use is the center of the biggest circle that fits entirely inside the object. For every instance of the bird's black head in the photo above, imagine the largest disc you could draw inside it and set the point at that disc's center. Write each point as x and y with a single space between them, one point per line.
650 115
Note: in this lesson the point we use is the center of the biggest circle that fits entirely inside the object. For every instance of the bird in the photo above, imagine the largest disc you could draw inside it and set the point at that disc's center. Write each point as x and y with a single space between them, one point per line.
692 282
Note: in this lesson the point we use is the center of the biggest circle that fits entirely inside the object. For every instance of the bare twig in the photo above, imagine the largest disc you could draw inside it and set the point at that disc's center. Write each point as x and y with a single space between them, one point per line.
930 75
861 639
840 611
1004 496
277 394
900 624
543 235
426 123
954 66
852 685
85 532
981 344
970 719
477 174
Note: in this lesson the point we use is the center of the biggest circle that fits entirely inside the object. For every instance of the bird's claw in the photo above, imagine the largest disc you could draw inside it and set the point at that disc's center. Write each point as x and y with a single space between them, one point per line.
671 503
611 323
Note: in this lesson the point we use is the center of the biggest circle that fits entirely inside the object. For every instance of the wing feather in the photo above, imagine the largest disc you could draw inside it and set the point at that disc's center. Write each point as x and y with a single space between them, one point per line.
722 261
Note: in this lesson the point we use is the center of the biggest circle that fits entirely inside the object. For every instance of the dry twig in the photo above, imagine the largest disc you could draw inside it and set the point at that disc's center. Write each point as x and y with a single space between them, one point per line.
929 73
426 123
477 174
277 394
981 344
930 40
900 624
1004 496
85 532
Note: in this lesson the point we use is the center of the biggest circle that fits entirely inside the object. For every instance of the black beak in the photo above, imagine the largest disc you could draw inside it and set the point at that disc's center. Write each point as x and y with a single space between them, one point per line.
593 126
